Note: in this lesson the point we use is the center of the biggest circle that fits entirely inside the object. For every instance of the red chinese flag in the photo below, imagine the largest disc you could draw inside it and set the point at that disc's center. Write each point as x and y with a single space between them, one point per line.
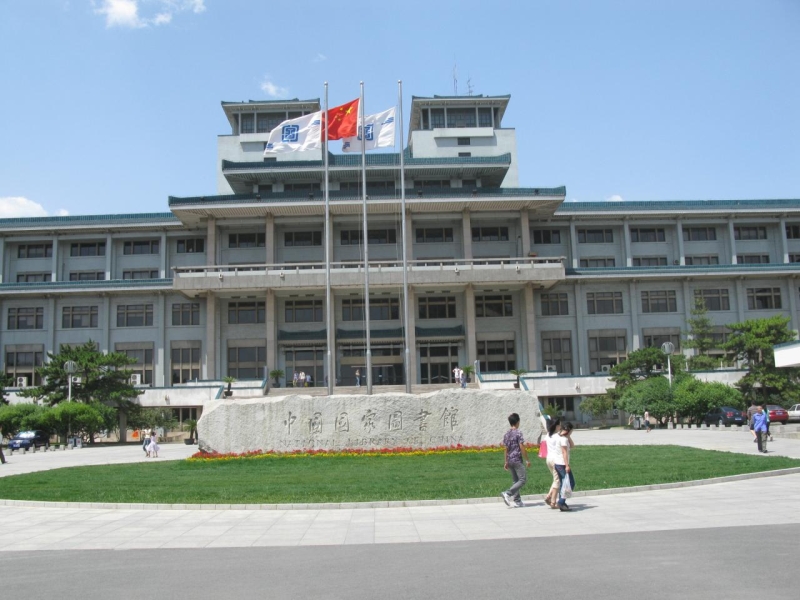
342 121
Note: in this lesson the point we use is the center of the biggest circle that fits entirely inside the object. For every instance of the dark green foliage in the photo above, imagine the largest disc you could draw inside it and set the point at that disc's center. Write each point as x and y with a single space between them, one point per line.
694 398
22 417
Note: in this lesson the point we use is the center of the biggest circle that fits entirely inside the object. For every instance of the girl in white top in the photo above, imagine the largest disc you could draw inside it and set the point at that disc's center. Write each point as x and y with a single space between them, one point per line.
153 447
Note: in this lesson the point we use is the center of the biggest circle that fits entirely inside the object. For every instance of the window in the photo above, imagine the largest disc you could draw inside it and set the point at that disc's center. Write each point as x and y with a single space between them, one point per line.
464 141
437 307
140 247
793 232
464 154
714 299
794 258
437 362
185 313
246 123
266 122
24 361
78 317
242 313
554 304
142 354
659 301
434 235
647 235
749 233
752 259
140 274
87 276
565 405
134 315
191 245
490 234
650 261
697 261
437 118
606 349
494 306
496 355
595 236
302 238
246 362
461 117
380 309
247 240
557 350
303 311
26 317
655 338
546 236
33 277
375 236
35 251
308 360
699 234
598 263
484 117
185 361
88 249
431 183
604 303
763 298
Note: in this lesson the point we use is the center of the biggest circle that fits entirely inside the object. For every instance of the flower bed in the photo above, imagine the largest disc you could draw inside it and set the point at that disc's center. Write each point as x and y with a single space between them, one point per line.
346 452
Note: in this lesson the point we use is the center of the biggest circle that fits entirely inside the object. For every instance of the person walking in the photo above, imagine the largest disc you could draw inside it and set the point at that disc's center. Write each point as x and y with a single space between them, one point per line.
295 379
751 410
559 445
515 452
358 377
766 418
553 426
463 378
152 446
759 425
647 420
145 442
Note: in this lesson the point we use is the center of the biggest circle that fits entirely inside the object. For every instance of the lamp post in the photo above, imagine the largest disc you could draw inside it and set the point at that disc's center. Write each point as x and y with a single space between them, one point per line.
668 348
70 367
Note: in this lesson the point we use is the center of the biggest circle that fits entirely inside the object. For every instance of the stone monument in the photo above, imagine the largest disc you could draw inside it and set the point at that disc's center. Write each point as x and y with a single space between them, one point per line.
395 420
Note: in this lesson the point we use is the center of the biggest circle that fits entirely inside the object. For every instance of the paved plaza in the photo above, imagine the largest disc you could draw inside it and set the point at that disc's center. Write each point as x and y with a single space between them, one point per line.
79 527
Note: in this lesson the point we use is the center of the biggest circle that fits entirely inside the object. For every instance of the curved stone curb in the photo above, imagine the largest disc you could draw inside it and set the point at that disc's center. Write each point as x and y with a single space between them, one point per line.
392 503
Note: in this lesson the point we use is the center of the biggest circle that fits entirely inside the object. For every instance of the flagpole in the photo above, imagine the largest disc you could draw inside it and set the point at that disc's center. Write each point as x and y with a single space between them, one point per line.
328 298
407 333
365 238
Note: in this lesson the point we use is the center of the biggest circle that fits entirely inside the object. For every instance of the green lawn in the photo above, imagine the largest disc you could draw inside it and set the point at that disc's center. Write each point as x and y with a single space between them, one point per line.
355 479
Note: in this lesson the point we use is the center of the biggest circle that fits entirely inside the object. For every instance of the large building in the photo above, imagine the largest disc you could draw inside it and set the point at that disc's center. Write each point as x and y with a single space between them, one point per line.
234 284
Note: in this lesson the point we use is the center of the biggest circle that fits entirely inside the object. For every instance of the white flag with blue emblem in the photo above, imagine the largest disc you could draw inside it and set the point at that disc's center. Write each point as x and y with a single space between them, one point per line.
379 133
294 135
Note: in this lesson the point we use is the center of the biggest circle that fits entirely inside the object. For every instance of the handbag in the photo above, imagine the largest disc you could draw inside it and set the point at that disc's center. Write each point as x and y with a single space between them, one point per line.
566 486
543 449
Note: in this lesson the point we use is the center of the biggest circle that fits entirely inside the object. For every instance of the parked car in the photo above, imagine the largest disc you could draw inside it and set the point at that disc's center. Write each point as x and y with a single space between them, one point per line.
794 413
777 414
723 416
29 439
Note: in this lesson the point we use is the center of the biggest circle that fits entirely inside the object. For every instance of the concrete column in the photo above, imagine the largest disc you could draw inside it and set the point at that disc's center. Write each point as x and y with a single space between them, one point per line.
161 351
626 231
413 359
54 264
688 305
162 246
51 325
211 336
211 242
271 306
410 241
530 329
270 240
635 333
741 299
525 228
732 238
2 259
106 321
681 253
573 244
784 242
792 282
109 252
472 340
466 226
581 342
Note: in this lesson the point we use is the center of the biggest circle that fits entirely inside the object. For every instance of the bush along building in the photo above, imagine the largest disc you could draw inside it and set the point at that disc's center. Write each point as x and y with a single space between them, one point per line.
498 276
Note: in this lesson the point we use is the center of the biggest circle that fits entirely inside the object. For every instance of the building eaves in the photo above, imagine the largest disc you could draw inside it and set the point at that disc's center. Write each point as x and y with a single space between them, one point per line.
676 206
88 221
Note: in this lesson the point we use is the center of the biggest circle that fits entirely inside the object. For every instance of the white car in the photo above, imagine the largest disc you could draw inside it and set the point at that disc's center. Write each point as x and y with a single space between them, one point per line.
794 413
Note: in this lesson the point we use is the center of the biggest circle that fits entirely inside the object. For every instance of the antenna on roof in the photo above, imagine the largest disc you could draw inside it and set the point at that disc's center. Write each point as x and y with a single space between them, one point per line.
469 85
455 79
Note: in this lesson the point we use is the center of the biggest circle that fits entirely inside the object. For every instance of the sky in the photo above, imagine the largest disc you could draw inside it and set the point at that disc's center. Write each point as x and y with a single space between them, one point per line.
111 106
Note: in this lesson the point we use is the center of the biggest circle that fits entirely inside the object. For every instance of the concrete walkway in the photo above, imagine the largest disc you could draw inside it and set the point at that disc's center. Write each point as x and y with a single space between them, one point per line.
717 505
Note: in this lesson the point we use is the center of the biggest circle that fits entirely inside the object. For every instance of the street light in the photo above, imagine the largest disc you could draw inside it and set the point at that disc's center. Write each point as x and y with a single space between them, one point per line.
668 348
70 367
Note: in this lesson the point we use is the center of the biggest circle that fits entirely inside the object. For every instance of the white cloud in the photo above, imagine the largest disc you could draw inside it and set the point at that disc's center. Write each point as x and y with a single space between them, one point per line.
319 58
19 206
272 90
615 198
125 13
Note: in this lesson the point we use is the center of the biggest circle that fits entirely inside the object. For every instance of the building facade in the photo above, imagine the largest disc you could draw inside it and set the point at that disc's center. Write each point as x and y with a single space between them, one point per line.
234 284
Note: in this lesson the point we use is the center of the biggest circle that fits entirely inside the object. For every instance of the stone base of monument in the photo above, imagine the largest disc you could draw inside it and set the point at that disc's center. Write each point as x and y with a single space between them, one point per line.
448 417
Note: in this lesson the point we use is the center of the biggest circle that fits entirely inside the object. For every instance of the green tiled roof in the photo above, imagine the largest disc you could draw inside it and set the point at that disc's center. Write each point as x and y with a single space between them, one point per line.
291 336
358 334
78 220
476 96
676 205
428 332
87 285
287 101
389 159
277 197
685 270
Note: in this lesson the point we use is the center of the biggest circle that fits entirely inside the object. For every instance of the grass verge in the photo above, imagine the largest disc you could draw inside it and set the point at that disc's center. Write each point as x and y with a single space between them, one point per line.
370 478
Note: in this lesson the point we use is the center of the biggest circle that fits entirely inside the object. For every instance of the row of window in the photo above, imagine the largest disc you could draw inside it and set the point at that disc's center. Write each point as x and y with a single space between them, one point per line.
658 234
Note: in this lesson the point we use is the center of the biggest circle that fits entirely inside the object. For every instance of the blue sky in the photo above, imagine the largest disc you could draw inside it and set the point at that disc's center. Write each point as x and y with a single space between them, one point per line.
110 106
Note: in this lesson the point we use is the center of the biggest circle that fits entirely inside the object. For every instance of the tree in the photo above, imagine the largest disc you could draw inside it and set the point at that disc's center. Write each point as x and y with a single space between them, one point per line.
21 417
700 337
752 341
78 418
5 381
653 395
694 398
518 373
151 418
597 407
640 365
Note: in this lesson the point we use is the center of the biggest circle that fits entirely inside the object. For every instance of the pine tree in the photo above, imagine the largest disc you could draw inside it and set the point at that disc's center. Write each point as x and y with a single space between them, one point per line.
700 337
